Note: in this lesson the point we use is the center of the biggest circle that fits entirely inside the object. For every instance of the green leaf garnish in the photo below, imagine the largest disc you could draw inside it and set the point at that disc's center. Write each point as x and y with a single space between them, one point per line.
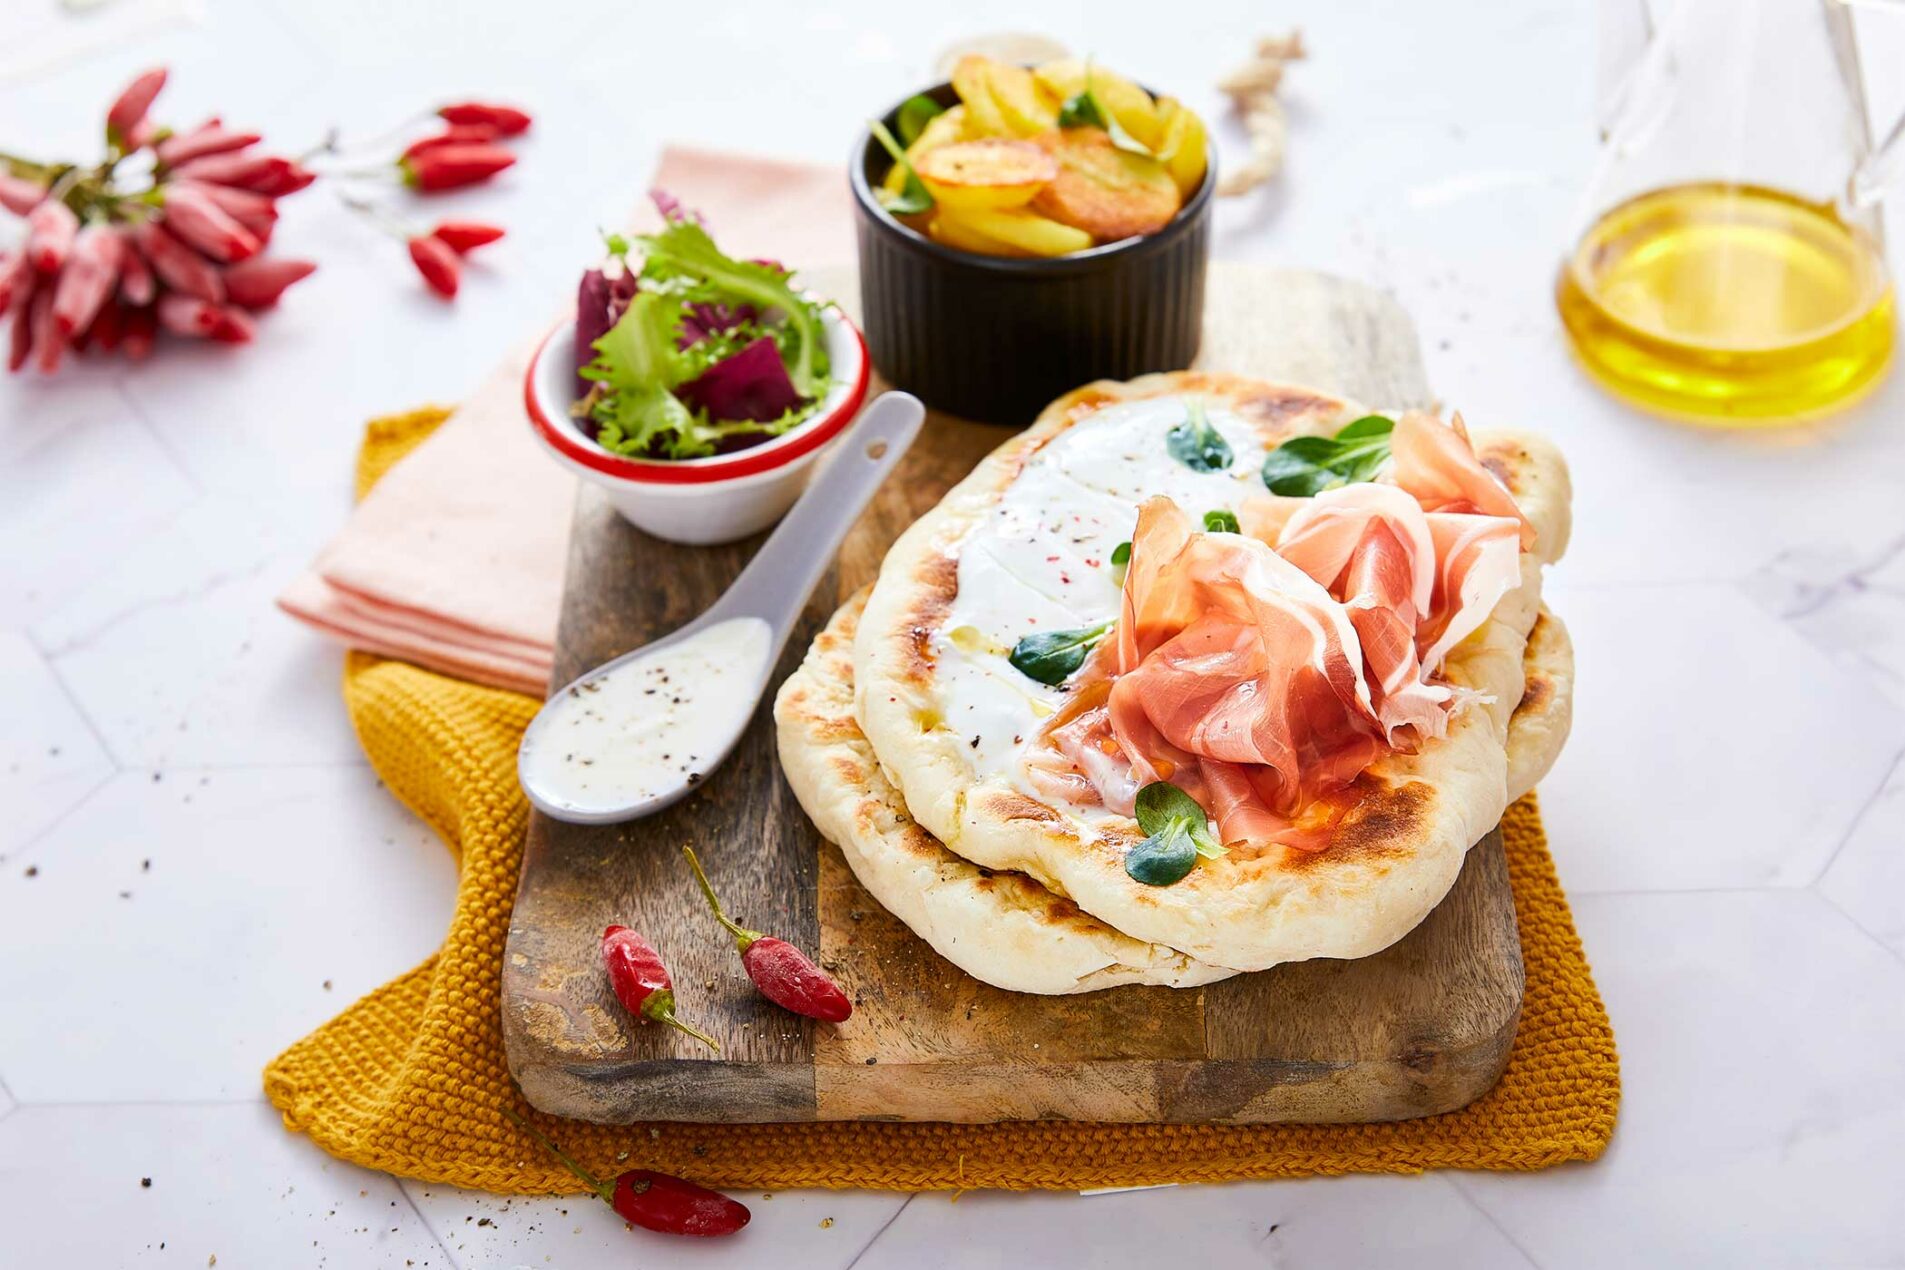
1162 804
1196 444
1179 832
1051 656
1303 467
1083 109
1121 554
1221 522
913 197
915 113
1161 859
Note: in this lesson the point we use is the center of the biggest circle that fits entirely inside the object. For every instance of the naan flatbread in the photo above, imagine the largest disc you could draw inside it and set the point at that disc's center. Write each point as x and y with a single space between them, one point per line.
1002 927
1391 860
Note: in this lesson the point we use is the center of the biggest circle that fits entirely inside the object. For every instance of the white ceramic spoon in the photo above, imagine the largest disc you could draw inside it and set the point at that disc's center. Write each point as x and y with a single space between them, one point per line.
592 755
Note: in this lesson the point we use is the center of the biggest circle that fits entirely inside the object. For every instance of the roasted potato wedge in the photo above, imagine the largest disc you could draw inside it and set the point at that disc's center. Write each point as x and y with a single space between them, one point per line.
1129 104
1107 192
946 128
972 80
954 232
1009 232
989 175
1184 149
1024 108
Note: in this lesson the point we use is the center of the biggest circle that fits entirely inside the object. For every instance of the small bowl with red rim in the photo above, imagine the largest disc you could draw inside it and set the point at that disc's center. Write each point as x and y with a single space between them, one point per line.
719 498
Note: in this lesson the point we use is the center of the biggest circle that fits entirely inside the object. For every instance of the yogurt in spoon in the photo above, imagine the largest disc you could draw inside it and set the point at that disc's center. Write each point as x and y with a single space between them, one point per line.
645 729
651 725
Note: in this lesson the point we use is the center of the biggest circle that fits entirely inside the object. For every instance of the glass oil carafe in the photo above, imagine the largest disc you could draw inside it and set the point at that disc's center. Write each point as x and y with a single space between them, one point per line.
1730 266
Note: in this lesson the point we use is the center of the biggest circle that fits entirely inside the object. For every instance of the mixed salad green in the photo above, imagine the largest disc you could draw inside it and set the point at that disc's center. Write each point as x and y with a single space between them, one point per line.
687 352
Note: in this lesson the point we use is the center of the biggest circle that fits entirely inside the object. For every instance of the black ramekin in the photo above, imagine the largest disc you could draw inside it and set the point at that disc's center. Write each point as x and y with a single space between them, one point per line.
996 338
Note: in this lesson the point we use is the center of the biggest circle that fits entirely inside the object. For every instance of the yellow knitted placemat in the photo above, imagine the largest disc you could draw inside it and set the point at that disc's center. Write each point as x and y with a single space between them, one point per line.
409 1080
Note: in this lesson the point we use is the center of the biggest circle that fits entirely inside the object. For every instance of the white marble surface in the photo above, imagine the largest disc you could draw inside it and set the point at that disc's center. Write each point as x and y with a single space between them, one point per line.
196 866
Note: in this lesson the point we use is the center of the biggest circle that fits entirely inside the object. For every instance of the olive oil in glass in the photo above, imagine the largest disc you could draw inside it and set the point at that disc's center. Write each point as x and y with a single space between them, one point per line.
1736 305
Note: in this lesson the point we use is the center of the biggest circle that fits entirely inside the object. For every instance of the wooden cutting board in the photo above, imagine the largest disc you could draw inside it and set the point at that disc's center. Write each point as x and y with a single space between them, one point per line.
1422 1027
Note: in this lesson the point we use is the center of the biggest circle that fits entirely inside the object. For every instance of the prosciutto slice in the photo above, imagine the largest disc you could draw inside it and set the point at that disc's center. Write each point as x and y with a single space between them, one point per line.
1415 584
1435 462
1371 547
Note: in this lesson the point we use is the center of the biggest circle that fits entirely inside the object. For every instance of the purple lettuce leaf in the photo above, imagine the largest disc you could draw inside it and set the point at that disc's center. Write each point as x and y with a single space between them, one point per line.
592 321
752 385
600 302
704 320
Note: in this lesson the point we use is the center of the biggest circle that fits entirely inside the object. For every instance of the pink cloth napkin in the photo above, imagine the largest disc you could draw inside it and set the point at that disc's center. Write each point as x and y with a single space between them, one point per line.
455 560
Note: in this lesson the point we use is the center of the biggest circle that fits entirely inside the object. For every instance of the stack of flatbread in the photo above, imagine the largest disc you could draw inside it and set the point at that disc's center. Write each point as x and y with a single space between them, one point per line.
912 737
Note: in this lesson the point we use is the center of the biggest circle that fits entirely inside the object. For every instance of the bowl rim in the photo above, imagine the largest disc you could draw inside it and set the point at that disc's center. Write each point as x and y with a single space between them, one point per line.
1032 266
801 441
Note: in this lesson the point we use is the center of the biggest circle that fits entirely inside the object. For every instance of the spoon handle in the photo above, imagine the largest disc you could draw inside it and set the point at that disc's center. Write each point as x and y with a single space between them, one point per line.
776 583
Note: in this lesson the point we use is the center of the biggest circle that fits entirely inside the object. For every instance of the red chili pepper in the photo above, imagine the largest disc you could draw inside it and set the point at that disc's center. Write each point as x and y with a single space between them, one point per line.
210 137
234 326
785 975
87 279
129 112
181 268
257 283
141 324
260 173
641 981
49 346
50 229
451 167
461 134
203 224
256 212
16 278
136 287
466 235
188 315
654 1201
108 325
20 337
437 263
19 195
507 120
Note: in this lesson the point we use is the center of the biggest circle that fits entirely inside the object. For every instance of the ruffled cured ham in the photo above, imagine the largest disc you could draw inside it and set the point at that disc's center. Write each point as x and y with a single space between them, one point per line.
1234 675
1435 463
1371 548
1263 672
1415 583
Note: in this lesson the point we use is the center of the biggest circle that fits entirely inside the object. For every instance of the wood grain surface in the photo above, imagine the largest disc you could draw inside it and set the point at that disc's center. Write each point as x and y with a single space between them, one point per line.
1424 1026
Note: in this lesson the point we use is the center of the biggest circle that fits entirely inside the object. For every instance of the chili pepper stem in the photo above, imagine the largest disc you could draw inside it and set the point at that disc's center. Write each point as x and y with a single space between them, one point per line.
25 168
743 937
377 216
330 144
603 1190
672 1020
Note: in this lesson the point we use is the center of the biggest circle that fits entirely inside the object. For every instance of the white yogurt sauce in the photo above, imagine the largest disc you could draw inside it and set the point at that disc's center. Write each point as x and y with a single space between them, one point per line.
1041 561
651 725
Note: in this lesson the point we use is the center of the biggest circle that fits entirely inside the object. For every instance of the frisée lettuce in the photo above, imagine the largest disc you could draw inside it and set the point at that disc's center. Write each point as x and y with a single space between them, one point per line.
697 353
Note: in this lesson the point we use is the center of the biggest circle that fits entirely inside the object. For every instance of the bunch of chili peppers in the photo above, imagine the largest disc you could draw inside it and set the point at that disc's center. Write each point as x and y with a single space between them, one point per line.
168 231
